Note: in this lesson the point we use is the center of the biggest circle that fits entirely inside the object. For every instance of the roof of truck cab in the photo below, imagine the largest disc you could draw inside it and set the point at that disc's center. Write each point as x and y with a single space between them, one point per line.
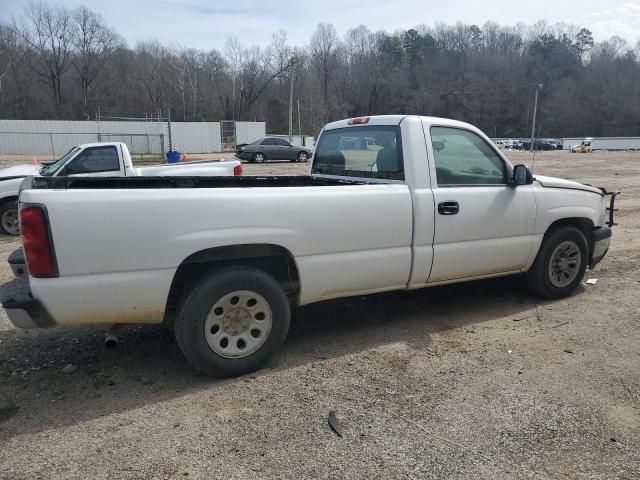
396 119
100 144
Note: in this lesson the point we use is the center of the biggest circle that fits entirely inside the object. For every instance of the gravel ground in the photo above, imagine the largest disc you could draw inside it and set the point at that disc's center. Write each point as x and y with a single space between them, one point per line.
479 380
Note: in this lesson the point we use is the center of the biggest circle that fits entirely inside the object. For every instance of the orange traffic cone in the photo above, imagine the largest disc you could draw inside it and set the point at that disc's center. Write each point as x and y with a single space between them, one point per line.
183 157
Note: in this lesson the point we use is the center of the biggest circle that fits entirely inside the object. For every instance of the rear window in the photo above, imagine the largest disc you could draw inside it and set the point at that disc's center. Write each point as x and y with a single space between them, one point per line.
368 151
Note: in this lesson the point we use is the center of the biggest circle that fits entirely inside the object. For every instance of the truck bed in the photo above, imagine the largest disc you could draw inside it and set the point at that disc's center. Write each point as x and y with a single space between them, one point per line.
102 183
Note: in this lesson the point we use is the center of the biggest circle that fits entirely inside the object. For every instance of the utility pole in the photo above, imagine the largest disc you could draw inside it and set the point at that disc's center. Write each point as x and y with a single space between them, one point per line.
300 125
292 62
169 128
535 110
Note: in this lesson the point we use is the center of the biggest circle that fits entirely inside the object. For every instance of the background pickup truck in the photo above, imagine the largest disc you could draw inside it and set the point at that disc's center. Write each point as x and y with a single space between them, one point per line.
104 159
392 202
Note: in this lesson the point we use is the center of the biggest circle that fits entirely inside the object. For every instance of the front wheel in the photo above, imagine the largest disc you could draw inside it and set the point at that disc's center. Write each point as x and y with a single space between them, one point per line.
9 217
560 264
232 321
259 157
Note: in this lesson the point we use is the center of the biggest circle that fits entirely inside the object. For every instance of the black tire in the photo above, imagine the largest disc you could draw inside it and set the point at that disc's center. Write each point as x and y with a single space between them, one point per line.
302 157
258 157
9 209
198 303
539 278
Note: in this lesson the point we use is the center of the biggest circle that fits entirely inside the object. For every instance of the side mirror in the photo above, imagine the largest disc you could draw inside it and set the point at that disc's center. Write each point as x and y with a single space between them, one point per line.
521 176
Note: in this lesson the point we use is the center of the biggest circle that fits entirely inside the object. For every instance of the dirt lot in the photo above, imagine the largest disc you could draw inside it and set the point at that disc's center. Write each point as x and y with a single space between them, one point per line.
471 381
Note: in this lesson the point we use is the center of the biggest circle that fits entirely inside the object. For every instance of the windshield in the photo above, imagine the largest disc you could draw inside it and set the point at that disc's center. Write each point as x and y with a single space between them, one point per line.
371 151
52 169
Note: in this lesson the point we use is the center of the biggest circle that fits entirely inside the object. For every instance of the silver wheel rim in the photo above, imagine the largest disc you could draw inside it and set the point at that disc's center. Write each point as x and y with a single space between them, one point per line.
564 264
10 221
238 324
302 157
259 158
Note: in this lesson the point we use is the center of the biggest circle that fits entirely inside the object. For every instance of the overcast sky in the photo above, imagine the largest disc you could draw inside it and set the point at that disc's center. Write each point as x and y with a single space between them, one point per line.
206 24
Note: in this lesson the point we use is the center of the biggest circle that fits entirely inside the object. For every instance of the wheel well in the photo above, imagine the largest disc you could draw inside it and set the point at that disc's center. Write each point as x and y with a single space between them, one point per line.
8 199
585 225
273 259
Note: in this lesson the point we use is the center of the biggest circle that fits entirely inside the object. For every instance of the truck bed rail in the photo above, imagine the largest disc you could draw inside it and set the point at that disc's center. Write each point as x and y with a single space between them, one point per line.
68 183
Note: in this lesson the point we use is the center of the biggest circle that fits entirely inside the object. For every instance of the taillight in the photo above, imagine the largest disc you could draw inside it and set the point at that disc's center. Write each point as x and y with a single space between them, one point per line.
237 170
38 249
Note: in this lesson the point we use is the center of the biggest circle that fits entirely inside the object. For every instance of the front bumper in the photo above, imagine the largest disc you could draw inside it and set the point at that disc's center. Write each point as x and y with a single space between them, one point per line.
601 241
23 310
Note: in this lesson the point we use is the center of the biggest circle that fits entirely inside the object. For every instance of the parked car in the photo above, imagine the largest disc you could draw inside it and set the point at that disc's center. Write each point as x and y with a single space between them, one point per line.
538 144
104 159
518 144
583 147
272 148
556 144
225 259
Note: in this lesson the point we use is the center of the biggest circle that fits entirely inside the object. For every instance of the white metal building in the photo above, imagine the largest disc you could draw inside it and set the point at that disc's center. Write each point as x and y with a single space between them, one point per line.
56 137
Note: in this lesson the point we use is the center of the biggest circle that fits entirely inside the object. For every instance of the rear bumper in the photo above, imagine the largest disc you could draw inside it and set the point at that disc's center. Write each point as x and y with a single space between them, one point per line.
23 310
17 263
601 241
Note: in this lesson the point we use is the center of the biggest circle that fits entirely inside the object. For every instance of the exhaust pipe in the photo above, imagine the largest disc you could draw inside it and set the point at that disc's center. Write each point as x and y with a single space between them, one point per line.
111 337
111 341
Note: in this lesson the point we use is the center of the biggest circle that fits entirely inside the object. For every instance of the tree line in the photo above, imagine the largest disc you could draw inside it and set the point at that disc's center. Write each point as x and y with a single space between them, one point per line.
62 64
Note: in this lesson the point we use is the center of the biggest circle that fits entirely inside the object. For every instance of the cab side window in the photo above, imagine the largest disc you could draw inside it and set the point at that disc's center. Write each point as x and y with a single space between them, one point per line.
94 160
464 158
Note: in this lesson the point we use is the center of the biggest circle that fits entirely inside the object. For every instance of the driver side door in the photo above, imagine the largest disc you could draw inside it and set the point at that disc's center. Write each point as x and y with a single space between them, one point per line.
483 227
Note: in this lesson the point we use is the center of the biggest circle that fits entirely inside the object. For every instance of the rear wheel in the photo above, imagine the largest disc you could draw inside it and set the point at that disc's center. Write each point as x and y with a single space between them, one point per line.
259 157
9 217
560 264
302 157
232 321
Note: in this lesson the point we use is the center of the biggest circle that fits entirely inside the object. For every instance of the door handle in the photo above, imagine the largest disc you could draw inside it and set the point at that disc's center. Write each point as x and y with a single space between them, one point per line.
448 208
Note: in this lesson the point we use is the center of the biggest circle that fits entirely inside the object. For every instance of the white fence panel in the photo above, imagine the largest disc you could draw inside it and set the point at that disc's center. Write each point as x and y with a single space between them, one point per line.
196 137
247 132
56 137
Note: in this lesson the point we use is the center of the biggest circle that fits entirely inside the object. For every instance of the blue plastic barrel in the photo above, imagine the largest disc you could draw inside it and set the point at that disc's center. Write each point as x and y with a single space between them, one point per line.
173 156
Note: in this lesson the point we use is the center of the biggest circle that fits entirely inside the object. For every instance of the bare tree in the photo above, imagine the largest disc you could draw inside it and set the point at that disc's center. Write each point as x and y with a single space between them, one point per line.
234 53
7 49
94 43
214 69
48 30
152 73
324 49
185 66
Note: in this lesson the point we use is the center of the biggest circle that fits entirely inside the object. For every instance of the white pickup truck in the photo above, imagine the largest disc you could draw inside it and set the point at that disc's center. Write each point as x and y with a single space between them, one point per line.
105 159
392 202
